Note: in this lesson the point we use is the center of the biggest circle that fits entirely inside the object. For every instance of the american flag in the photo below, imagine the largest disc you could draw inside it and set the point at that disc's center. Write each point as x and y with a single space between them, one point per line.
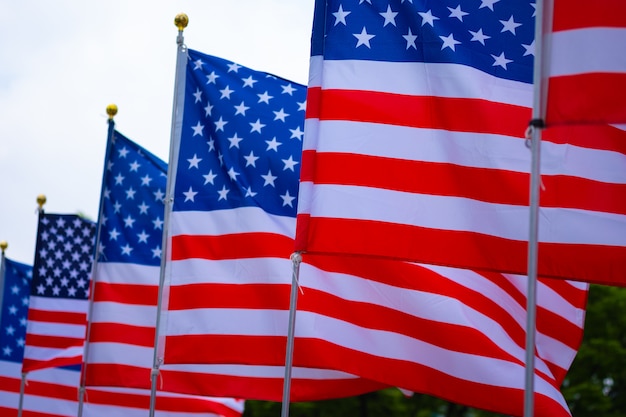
53 392
586 84
415 145
232 232
57 316
120 347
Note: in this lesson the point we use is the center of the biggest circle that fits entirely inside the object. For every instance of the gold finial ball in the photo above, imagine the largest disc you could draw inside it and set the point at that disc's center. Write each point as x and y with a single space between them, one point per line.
181 21
41 200
3 245
111 110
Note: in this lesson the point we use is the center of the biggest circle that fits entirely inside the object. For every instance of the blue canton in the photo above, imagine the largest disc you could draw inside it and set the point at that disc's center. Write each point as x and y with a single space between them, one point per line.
494 36
241 140
63 256
14 310
133 209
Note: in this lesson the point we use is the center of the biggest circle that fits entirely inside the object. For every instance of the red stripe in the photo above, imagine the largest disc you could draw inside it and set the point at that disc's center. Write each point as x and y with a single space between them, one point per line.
602 137
133 294
237 246
12 412
576 14
117 375
54 342
122 333
444 179
46 316
261 296
29 365
457 114
594 263
599 99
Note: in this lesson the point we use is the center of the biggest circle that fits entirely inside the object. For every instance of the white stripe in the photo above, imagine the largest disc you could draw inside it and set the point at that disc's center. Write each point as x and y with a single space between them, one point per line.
418 79
462 214
127 273
46 354
43 328
478 150
236 271
128 314
58 304
121 354
595 49
221 222
260 371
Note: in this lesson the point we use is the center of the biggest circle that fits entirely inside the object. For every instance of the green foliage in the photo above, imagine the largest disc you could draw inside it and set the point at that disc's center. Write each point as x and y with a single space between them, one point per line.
595 385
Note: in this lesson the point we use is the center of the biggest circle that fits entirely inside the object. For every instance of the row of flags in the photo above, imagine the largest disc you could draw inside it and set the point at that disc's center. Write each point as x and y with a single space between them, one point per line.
400 174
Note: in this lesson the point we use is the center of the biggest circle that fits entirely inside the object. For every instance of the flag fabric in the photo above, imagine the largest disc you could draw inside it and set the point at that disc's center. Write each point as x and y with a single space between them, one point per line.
415 146
53 392
120 347
232 230
57 316
585 83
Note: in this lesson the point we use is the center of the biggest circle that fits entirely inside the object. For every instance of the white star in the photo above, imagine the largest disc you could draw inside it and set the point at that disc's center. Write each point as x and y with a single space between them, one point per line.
340 16
241 109
509 25
71 291
296 133
233 67
143 236
361 1
233 174
427 17
410 39
257 126
197 129
113 234
118 179
530 49
211 143
128 222
287 199
226 92
458 13
249 192
41 289
488 3
219 125
212 77
264 98
302 105
56 290
223 192
134 166
479 36
363 38
280 115
198 64
234 141
288 89
251 159
143 208
158 223
145 180
189 195
208 109
500 60
289 163
249 82
273 144
208 178
269 179
449 42
130 194
123 152
158 195
156 252
126 250
390 16
197 95
193 162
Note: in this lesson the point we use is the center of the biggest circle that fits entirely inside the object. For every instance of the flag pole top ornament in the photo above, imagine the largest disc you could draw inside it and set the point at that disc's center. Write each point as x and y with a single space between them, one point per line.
111 111
181 21
41 200
3 246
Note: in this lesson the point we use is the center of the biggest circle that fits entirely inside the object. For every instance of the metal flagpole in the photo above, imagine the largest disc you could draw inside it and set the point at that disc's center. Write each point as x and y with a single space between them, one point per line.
41 200
296 259
111 112
3 247
535 126
181 21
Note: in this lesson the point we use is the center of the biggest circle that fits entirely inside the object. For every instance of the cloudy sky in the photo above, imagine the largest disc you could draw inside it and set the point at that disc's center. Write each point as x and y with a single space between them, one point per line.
62 62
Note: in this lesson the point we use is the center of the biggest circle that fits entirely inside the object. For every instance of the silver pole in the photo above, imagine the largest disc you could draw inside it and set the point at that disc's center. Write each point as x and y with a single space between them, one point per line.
181 22
22 389
296 259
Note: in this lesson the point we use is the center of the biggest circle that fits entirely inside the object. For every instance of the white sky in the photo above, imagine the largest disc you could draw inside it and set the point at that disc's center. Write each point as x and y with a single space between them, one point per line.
62 62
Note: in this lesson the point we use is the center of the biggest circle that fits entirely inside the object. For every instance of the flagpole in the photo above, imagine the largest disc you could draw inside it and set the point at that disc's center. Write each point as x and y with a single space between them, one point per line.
111 112
3 247
181 21
534 131
296 259
41 200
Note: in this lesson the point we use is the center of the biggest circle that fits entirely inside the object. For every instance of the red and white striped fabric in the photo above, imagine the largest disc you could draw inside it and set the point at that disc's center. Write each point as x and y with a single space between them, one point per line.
456 334
426 162
53 392
586 83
